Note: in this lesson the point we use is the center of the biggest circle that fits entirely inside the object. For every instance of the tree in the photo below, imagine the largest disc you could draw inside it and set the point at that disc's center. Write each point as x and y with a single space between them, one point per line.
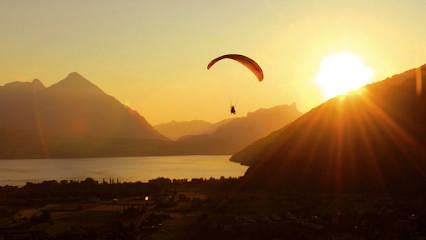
34 219
46 216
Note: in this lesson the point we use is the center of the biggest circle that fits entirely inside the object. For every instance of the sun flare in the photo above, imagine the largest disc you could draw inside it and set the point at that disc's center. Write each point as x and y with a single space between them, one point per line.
341 73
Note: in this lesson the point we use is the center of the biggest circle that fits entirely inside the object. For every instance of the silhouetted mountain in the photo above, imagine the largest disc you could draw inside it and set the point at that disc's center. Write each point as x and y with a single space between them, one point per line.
240 132
71 107
74 106
17 104
174 130
74 118
258 124
21 88
372 140
26 144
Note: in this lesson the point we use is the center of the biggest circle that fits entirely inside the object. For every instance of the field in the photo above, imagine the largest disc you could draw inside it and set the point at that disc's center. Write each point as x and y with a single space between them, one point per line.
194 212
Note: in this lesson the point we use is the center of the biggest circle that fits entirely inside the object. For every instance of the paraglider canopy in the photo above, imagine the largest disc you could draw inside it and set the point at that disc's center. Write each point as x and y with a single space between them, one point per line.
248 62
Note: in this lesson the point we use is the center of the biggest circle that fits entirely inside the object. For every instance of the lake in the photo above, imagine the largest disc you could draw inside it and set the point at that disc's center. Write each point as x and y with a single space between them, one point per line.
126 169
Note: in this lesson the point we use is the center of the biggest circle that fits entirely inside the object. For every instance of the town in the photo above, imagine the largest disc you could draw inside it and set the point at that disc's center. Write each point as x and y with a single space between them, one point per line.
200 209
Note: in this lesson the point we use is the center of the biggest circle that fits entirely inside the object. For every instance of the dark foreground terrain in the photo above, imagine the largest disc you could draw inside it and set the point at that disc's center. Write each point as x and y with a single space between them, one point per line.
200 209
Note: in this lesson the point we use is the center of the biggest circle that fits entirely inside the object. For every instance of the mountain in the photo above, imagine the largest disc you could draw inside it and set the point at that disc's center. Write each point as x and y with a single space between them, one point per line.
76 106
174 130
74 118
240 132
72 107
26 144
17 104
370 141
39 122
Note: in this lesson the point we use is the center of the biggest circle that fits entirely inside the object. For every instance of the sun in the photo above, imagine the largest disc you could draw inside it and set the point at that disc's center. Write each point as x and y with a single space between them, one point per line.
341 73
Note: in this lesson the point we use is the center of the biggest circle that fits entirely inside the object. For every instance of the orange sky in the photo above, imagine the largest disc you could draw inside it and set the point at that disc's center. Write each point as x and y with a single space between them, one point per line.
152 55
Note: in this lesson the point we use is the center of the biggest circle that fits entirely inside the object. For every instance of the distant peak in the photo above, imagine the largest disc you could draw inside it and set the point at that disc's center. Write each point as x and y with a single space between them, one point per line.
75 81
293 105
74 74
37 84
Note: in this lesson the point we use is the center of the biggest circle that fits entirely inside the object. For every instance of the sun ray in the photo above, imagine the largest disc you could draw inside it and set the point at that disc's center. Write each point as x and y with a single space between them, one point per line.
347 137
399 137
363 122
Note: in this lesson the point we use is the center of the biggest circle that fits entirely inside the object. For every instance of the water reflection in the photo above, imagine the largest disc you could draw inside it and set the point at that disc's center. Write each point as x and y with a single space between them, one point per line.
127 169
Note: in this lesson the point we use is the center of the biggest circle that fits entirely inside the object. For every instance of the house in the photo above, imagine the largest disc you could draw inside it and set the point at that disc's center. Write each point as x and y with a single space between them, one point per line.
291 216
161 197
276 217
94 199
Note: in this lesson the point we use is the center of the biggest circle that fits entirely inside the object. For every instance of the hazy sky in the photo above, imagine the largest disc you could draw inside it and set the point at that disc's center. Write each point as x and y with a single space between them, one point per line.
152 55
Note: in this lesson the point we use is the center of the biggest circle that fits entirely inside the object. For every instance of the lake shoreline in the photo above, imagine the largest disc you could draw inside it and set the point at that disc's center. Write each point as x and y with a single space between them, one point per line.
127 169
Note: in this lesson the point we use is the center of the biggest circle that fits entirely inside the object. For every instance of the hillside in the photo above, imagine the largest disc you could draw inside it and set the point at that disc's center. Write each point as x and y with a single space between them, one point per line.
256 125
25 144
174 130
74 118
72 107
242 131
371 140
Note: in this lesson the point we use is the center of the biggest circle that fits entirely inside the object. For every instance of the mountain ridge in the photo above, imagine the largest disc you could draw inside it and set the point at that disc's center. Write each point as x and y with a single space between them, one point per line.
74 118
174 129
241 131
73 106
369 141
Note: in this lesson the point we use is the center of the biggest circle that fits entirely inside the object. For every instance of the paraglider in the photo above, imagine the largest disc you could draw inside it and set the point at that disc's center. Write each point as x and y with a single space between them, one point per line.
233 110
247 62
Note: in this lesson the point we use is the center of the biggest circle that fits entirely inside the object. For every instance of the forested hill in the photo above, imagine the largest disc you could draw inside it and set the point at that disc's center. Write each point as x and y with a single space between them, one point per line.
370 140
